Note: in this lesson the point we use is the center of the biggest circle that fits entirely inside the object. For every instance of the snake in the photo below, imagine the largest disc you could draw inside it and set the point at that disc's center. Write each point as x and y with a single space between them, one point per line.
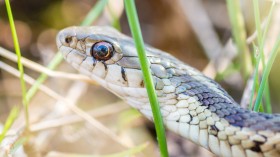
191 104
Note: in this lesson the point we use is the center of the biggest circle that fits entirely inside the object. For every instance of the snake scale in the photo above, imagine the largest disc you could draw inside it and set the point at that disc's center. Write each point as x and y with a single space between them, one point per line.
192 105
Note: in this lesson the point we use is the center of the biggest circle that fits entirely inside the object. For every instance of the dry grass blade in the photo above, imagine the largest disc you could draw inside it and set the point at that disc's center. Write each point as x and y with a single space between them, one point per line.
71 119
130 152
251 38
30 80
68 104
239 35
39 68
203 28
245 100
220 56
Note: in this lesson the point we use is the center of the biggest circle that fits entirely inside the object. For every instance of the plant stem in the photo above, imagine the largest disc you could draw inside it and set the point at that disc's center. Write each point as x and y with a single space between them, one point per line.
20 67
266 72
145 66
239 35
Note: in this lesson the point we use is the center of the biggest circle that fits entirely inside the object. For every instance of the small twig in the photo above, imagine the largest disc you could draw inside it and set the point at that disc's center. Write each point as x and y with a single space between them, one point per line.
227 54
245 100
210 70
252 37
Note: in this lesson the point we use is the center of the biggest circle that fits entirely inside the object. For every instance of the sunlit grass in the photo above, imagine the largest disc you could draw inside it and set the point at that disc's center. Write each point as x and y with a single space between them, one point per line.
20 66
94 13
255 76
148 80
266 72
239 35
10 120
261 42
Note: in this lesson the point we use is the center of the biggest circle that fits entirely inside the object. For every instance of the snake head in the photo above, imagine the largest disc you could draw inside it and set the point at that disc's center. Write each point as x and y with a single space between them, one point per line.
111 59
78 44
105 55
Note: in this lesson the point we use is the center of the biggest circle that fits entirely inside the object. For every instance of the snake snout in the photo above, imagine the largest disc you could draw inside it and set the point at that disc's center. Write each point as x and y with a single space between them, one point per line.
65 37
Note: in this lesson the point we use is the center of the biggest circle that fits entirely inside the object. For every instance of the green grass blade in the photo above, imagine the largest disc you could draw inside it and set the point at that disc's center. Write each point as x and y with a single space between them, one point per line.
18 143
261 41
20 66
239 35
257 21
255 76
91 16
10 120
258 51
266 89
116 21
94 12
266 72
52 65
267 100
256 83
145 66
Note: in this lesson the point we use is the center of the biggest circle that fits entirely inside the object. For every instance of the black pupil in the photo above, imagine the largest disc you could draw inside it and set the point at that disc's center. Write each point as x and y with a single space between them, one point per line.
68 40
101 50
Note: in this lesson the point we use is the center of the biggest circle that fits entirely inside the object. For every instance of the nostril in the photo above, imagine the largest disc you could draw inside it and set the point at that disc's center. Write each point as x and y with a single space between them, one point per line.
68 40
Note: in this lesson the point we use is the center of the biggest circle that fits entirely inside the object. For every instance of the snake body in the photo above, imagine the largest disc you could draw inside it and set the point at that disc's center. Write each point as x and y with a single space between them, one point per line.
192 105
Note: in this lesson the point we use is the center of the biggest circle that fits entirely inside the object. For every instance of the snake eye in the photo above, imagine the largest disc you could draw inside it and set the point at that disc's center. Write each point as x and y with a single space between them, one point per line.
102 50
68 40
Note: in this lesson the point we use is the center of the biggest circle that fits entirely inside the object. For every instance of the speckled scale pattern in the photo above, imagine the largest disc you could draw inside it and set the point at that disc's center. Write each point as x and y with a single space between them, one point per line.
224 108
215 99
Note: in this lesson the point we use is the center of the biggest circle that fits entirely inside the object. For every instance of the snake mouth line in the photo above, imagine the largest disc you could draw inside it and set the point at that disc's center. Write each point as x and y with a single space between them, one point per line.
69 50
